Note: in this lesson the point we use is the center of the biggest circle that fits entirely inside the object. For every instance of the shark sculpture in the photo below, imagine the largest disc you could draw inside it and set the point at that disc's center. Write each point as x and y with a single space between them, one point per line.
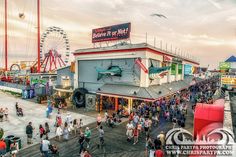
155 72
111 71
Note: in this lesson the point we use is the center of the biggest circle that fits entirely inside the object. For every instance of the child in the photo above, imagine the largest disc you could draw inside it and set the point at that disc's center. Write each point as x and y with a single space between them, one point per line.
136 134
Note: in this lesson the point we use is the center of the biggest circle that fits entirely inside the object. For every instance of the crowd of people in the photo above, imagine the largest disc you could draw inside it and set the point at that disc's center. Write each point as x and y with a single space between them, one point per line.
143 118
173 109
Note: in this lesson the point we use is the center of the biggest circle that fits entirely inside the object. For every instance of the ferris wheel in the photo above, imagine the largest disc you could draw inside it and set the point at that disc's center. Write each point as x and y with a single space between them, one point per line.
54 49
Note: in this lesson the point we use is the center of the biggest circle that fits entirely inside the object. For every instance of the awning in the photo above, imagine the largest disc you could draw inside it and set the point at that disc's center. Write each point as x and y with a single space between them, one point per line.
150 93
64 90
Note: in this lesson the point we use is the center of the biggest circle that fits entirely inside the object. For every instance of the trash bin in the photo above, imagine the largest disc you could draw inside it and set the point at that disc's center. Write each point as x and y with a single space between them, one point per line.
8 142
18 141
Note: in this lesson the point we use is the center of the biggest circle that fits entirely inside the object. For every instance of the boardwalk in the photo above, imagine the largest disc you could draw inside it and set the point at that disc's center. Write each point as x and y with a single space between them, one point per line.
115 139
32 112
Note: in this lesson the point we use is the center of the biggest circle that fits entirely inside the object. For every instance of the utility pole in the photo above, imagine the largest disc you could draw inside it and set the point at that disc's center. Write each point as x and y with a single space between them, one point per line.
38 34
6 45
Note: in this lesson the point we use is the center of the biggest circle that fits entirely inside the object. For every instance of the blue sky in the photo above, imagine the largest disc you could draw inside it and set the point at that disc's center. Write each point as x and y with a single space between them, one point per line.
204 28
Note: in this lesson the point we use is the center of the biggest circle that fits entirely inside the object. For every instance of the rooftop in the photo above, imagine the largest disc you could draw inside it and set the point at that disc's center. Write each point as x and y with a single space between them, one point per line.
231 59
127 46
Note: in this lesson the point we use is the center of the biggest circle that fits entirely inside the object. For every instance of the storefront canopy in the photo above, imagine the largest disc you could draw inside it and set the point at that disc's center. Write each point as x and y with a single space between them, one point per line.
149 93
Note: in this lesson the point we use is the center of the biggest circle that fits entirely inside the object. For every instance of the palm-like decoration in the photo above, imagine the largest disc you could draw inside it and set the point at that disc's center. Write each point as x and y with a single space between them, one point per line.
1 133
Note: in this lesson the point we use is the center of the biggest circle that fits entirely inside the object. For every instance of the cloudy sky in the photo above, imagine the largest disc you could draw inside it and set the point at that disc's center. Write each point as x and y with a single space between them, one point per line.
205 29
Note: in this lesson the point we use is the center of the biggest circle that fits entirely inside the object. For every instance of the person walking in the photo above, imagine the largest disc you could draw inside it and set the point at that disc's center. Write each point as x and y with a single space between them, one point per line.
3 147
59 132
101 136
99 120
81 142
14 149
1 114
68 118
129 132
161 136
174 122
65 131
45 147
149 145
6 113
29 133
159 152
75 126
136 135
41 131
87 136
106 116
146 126
59 120
47 129
80 125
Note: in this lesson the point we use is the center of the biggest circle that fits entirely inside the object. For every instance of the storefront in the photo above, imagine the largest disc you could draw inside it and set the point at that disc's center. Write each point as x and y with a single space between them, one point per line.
117 76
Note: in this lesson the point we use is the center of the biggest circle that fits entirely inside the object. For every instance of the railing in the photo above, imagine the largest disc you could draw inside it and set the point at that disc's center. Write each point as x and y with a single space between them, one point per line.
12 85
219 94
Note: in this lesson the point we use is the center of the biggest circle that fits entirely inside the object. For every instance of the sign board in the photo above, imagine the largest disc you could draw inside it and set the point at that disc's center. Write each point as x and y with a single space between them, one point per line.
176 60
173 68
110 33
167 58
225 65
188 69
228 80
180 66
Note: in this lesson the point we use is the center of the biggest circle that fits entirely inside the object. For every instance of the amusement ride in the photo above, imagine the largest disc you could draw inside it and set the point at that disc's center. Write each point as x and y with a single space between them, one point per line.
53 49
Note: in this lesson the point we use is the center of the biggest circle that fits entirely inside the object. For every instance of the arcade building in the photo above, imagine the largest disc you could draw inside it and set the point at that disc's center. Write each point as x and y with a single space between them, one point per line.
108 78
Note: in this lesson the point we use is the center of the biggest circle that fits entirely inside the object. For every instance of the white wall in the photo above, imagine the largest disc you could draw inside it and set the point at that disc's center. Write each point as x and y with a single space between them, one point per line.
111 55
179 77
154 56
11 89
164 80
172 78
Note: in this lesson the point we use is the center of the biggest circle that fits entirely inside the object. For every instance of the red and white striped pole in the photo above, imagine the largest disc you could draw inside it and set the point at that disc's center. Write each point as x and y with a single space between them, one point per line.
6 45
38 34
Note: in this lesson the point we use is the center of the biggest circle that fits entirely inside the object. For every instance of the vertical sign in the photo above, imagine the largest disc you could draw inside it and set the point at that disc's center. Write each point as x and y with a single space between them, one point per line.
173 68
180 66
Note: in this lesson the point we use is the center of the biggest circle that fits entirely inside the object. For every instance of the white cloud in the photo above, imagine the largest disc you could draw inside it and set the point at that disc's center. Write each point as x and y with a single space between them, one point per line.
215 4
231 18
191 24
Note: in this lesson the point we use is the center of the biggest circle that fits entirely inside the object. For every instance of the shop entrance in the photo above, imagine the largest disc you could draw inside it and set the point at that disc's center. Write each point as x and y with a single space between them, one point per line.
112 103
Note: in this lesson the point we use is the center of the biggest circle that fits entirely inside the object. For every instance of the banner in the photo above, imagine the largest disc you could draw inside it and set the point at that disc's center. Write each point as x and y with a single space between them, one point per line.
180 66
188 69
173 68
115 32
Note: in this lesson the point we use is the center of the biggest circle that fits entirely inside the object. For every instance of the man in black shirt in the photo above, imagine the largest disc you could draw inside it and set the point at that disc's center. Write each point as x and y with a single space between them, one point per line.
29 133
81 142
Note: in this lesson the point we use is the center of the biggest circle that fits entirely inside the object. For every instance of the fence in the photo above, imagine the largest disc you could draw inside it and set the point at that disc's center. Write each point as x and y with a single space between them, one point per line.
13 87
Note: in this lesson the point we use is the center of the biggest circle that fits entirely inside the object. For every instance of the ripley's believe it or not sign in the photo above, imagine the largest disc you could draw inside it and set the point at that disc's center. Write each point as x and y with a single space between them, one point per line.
110 33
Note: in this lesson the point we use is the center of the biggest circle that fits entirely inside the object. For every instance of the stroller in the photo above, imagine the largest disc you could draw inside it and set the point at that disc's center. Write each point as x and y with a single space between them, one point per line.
19 111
